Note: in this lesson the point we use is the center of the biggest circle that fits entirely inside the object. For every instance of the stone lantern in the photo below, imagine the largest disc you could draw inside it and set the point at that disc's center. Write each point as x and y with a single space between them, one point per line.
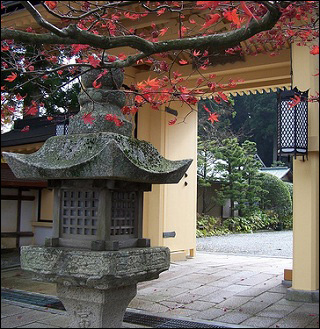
97 253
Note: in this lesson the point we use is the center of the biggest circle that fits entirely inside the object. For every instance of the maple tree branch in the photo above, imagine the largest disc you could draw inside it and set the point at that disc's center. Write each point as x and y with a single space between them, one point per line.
74 35
77 18
41 21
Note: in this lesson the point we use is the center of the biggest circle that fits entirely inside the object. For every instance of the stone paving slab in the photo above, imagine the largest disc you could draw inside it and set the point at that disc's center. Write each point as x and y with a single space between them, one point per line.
234 290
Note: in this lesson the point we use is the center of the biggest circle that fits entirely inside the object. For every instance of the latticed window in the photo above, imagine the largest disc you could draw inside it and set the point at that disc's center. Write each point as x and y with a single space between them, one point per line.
79 212
292 123
124 210
61 129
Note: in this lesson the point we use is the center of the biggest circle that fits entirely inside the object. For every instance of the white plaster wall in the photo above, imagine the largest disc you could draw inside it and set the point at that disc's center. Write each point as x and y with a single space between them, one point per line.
40 234
9 216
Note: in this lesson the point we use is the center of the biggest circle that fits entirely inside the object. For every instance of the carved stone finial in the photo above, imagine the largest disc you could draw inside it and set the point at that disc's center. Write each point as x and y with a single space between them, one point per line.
107 99
112 80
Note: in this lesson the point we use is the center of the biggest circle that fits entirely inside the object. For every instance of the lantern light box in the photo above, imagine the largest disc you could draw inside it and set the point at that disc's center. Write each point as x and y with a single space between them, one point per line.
292 123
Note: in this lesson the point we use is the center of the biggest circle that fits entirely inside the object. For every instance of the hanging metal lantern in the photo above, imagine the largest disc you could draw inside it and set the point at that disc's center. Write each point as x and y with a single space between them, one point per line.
292 123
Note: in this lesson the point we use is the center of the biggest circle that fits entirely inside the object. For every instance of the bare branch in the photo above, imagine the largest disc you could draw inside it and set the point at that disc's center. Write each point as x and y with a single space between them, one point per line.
41 21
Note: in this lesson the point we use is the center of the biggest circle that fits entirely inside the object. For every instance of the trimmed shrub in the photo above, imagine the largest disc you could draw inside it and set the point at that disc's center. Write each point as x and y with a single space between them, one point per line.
290 188
277 198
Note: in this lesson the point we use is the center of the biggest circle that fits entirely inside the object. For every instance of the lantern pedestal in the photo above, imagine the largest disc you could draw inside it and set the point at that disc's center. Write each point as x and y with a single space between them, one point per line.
95 287
92 308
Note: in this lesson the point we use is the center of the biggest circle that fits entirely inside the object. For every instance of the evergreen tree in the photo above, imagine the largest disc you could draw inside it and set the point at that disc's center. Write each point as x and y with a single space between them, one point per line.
236 168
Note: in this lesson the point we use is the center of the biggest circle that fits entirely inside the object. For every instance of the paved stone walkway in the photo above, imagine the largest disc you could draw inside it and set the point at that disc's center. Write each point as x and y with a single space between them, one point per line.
235 290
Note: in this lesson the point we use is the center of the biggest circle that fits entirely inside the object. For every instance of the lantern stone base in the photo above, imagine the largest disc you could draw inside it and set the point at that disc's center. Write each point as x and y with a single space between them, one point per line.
95 286
94 308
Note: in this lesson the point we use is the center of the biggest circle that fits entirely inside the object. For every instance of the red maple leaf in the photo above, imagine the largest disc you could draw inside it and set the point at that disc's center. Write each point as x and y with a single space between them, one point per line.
232 16
296 100
223 96
139 99
33 109
153 83
132 17
95 84
163 31
172 122
183 62
247 11
122 56
25 129
93 61
76 48
53 59
20 98
118 122
11 77
51 4
213 19
88 118
213 117
217 99
314 50
126 110
206 109
134 110
183 30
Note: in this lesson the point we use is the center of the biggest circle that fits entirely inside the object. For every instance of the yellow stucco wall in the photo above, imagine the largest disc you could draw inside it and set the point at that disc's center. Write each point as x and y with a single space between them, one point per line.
306 181
171 207
46 211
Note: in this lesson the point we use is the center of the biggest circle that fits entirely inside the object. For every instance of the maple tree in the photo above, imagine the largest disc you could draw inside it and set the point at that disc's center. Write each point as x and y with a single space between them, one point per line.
74 37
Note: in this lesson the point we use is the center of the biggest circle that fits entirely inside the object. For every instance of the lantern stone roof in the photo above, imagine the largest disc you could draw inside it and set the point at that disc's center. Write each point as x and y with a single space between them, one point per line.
99 149
97 156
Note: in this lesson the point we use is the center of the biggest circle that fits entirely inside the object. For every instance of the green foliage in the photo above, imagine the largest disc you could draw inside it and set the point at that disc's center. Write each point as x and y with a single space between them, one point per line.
256 221
256 115
290 188
277 198
259 220
236 168
278 164
209 226
206 161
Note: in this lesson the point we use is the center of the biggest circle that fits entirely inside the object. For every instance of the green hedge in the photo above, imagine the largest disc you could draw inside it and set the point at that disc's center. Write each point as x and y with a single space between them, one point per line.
290 188
277 197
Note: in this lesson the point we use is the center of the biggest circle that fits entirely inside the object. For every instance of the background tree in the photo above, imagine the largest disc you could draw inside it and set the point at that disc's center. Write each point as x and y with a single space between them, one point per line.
87 30
257 115
237 170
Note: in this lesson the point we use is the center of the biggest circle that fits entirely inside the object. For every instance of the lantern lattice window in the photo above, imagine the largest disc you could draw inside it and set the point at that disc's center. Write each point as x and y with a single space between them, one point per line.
98 214
123 215
292 123
79 212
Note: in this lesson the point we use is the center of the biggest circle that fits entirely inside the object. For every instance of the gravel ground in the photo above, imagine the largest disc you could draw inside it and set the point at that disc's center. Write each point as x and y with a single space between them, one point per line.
274 244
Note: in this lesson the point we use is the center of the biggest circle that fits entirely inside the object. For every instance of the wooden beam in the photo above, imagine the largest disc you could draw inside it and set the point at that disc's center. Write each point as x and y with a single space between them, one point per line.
18 217
18 197
16 234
